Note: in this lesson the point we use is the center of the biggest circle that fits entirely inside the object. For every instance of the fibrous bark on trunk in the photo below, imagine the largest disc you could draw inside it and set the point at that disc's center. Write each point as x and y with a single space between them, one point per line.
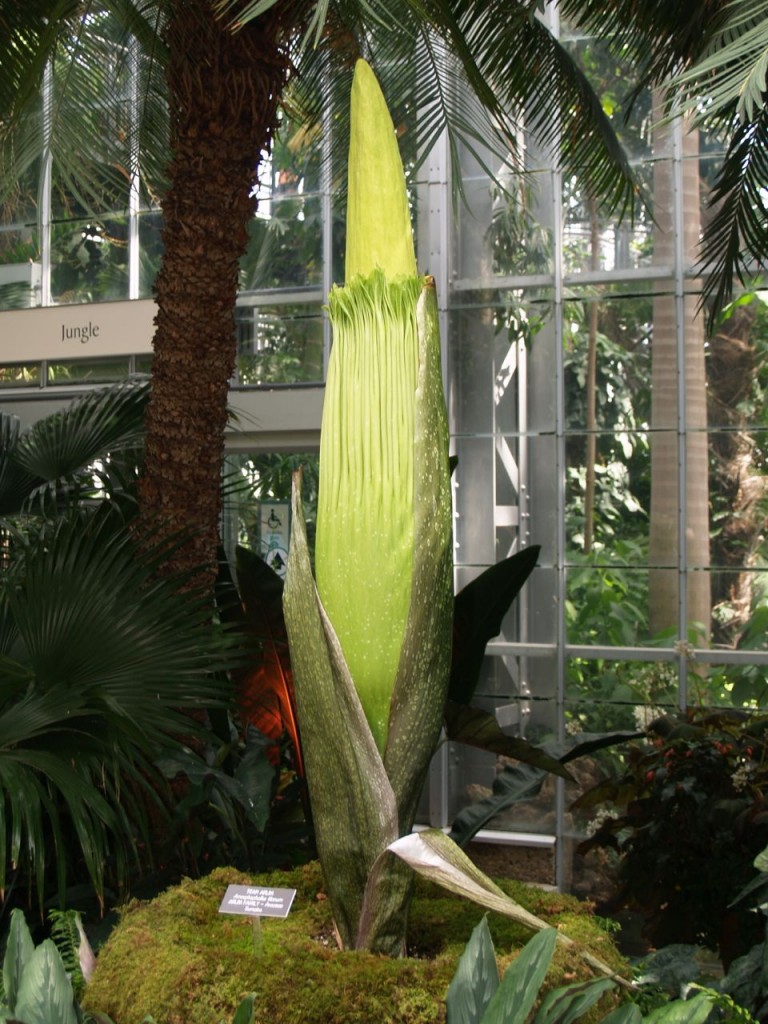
224 89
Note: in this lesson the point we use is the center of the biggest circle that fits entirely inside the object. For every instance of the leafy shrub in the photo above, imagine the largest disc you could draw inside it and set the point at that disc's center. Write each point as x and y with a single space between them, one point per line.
476 996
690 817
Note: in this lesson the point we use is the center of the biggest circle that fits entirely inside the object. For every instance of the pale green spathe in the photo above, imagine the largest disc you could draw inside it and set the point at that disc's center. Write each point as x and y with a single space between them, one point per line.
364 551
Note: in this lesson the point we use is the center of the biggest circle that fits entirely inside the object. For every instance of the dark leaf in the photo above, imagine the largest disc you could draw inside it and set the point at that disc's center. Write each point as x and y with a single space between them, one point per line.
479 728
479 610
599 743
514 783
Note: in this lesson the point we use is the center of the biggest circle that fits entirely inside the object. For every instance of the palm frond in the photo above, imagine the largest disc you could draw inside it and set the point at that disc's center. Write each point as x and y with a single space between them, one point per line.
733 68
68 54
96 423
88 581
82 721
478 71
736 236
532 72
658 37
16 484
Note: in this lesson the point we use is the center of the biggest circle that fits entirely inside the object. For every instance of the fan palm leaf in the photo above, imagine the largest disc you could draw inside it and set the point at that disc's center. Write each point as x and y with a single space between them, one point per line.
52 461
82 721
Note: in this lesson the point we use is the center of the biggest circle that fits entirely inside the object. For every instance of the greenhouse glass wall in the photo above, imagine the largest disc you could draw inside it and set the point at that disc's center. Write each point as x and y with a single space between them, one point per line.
592 413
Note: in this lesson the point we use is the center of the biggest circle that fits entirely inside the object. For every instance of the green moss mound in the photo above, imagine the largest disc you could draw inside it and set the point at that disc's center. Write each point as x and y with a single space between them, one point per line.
177 958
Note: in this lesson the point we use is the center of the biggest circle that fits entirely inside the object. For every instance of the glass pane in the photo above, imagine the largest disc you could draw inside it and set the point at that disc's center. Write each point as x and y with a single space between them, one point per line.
142 365
279 344
607 606
616 696
20 375
593 241
257 503
471 774
93 175
606 498
614 337
89 260
20 268
740 686
150 251
740 608
493 515
505 233
285 249
737 365
88 371
500 363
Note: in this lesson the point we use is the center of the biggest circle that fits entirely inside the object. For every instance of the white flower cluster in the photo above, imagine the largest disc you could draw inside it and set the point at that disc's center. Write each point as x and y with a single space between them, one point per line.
742 777
598 821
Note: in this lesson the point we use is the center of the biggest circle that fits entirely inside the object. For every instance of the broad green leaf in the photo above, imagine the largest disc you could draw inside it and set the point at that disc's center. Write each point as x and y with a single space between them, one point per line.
516 782
475 981
590 745
432 854
522 980
566 1004
18 952
436 856
244 1012
627 1013
680 1011
45 993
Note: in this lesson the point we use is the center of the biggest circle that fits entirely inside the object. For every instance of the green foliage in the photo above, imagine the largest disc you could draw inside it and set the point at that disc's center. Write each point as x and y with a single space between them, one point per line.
746 980
36 988
89 733
475 995
689 819
81 725
67 934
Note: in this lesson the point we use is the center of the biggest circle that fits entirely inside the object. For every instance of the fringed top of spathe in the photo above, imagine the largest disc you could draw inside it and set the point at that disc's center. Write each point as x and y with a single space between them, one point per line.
392 297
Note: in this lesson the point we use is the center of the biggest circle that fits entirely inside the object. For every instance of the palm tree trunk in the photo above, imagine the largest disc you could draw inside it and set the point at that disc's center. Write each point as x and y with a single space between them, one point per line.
224 90
664 527
591 386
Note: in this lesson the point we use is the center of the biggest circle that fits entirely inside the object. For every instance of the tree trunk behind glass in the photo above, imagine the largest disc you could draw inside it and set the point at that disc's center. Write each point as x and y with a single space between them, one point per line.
664 526
224 88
